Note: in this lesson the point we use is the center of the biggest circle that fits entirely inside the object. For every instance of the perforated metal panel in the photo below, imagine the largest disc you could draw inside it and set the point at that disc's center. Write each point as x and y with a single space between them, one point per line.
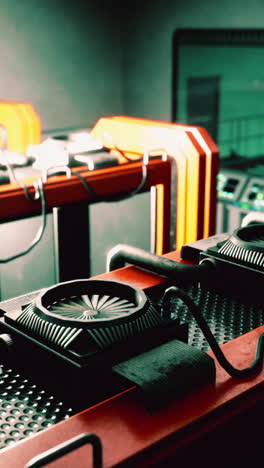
25 408
227 317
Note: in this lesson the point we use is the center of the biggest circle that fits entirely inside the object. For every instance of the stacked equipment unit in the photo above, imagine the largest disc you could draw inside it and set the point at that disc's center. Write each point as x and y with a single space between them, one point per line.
240 192
22 125
195 156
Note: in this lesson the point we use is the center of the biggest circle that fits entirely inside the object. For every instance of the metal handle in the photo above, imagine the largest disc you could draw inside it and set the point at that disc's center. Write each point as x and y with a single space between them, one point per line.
155 153
52 170
253 217
68 446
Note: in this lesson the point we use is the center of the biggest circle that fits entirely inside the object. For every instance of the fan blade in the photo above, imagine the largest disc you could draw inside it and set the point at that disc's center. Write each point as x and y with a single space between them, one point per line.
66 307
102 301
127 307
94 300
117 303
104 315
67 313
86 301
111 301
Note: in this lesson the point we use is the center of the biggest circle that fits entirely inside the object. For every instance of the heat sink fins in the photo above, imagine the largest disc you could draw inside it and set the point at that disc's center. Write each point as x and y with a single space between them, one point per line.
229 249
105 336
57 334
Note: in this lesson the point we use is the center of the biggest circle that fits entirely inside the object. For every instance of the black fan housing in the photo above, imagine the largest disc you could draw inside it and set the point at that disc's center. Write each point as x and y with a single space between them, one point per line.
239 260
83 318
246 246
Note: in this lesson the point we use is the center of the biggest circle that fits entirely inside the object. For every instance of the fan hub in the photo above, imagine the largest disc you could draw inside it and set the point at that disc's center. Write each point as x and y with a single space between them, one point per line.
88 313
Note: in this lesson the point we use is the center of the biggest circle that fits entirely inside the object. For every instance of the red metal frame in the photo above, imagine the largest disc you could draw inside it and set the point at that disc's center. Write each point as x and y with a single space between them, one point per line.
121 179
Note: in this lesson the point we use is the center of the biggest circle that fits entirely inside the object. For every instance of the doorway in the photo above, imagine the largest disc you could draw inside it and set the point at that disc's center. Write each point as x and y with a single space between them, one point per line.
203 103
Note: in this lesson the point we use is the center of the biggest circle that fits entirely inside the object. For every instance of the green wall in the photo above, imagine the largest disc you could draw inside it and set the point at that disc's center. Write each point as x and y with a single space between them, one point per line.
76 61
241 92
67 59
149 35
64 57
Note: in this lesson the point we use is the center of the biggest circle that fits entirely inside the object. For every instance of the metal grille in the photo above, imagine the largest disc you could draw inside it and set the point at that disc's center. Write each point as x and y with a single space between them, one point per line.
254 257
25 408
227 317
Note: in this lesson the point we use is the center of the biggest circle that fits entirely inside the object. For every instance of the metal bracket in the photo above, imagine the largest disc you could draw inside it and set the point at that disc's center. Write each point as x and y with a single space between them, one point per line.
68 446
54 170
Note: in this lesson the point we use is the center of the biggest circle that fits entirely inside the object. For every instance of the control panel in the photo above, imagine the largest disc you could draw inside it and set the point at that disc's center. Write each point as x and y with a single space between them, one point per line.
253 196
230 185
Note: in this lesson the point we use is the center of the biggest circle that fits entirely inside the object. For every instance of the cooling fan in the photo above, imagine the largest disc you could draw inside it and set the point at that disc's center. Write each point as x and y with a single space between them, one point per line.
240 258
71 336
246 246
84 321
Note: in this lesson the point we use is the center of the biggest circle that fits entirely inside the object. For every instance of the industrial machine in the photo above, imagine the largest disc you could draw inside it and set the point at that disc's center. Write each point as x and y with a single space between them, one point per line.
102 337
113 142
136 356
196 163
239 191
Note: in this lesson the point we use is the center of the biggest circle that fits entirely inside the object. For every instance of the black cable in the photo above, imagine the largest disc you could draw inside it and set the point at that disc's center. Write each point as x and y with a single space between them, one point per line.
125 156
25 188
41 193
86 184
254 368
118 198
41 230
115 148
121 254
112 198
13 178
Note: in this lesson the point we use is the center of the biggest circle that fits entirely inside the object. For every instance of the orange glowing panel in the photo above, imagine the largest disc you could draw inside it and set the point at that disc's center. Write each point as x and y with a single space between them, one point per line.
159 226
32 121
212 151
21 124
212 166
208 148
135 139
11 120
139 135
